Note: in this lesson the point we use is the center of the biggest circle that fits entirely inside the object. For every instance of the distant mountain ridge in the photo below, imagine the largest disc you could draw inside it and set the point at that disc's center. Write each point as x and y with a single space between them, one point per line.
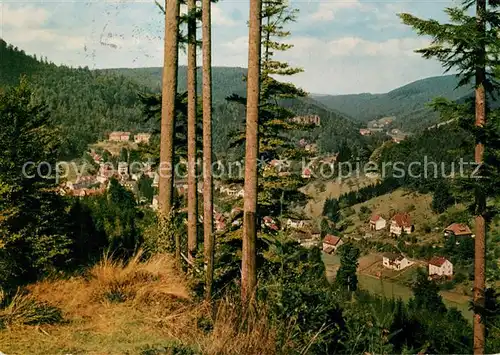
407 103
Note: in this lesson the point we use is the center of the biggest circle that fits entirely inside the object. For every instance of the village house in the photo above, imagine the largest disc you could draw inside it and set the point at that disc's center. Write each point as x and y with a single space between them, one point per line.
82 182
309 119
123 168
95 157
401 222
365 132
313 147
219 222
296 223
106 171
270 223
395 261
440 266
306 173
331 243
377 222
458 230
142 138
119 136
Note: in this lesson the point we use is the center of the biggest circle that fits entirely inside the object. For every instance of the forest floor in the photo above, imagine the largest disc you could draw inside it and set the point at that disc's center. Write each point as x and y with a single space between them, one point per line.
138 308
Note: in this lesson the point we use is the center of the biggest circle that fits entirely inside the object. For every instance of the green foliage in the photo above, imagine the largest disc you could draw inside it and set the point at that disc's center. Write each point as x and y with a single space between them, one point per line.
441 198
114 216
426 294
346 277
33 224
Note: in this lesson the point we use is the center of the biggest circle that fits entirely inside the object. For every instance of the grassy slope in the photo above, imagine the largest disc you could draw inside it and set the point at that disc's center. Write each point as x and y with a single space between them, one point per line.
131 309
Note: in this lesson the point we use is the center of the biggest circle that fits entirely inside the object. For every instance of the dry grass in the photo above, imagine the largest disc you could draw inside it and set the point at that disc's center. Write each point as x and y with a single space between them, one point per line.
132 307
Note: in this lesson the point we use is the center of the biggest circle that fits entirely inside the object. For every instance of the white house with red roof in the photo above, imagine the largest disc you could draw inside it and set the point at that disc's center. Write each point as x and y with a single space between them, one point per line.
306 173
401 222
377 222
440 266
331 243
395 261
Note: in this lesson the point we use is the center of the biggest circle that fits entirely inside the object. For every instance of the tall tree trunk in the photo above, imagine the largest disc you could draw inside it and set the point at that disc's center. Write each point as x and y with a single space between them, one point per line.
249 257
208 233
191 139
169 89
480 225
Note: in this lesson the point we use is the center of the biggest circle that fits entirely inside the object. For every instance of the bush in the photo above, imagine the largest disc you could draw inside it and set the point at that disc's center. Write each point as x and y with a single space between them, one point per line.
23 309
364 209
459 278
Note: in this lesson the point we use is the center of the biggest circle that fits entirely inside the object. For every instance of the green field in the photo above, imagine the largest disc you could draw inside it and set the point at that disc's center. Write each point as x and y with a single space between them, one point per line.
392 289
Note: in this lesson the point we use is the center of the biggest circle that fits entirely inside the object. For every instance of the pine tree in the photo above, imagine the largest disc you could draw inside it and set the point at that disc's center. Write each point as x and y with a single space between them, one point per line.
249 253
191 134
349 261
169 91
471 45
278 188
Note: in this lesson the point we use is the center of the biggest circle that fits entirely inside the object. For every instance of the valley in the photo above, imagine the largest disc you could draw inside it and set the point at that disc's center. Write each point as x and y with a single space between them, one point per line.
205 203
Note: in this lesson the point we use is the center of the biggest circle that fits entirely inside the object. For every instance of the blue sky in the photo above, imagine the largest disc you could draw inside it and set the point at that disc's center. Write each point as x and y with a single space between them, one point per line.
344 46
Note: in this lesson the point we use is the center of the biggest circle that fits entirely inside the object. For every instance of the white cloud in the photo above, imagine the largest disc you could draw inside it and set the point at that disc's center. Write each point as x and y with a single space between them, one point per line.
26 17
329 10
220 18
353 64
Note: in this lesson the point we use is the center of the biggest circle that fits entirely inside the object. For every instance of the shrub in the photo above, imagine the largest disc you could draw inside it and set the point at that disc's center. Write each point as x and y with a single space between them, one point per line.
23 309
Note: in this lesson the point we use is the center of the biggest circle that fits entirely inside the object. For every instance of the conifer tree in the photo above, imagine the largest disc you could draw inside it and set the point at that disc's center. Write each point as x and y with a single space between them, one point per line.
471 45
208 232
169 91
278 188
249 252
191 133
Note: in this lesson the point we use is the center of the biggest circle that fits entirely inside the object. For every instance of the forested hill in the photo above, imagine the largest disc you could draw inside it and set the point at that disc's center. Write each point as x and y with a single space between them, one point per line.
89 103
85 103
335 130
407 103
226 81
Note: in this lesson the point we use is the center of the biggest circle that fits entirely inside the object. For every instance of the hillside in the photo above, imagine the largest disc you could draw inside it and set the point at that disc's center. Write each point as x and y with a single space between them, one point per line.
85 104
89 103
407 103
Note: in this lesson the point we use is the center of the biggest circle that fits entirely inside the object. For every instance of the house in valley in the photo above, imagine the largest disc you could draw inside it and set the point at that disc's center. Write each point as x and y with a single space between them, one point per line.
307 120
365 131
306 173
395 261
331 243
440 266
401 223
377 222
119 136
458 230
296 223
142 138
123 168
